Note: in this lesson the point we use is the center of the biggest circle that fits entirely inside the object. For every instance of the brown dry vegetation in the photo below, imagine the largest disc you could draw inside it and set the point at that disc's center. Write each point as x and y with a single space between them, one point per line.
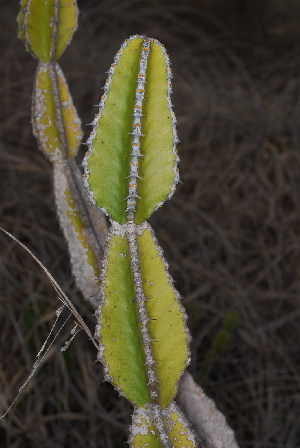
231 233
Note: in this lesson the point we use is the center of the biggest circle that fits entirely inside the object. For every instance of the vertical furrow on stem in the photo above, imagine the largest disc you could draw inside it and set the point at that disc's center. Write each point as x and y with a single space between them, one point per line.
54 22
58 107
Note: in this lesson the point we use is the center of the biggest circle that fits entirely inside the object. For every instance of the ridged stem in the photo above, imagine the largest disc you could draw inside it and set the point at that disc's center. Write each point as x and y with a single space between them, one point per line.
155 408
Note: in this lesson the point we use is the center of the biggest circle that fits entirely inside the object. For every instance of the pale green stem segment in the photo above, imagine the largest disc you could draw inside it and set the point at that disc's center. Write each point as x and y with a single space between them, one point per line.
144 434
55 121
47 26
131 165
141 323
81 238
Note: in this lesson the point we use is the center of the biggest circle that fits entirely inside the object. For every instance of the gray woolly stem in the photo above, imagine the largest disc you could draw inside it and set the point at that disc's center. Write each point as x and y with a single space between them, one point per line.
84 207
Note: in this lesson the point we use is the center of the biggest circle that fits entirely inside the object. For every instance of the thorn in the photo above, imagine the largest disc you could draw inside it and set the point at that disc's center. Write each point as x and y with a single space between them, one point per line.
134 175
129 196
150 363
152 382
132 196
136 134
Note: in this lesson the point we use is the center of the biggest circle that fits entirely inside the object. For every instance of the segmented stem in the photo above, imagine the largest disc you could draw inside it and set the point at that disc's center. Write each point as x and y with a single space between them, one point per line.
134 188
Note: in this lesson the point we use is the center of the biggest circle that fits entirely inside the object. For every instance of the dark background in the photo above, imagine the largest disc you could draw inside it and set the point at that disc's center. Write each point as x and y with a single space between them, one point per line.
231 233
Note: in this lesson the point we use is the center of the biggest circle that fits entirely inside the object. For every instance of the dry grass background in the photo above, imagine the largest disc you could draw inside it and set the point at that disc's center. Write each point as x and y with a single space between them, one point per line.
231 233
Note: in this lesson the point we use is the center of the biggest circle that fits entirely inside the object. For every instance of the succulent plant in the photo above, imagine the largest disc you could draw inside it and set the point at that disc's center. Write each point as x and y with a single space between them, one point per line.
130 170
47 27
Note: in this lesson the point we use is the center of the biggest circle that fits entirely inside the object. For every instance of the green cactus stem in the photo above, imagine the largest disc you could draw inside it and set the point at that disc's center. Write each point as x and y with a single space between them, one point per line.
130 170
54 118
47 27
135 123
84 228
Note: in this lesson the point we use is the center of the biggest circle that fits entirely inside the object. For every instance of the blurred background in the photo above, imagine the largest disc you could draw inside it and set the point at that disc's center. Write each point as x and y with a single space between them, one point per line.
231 233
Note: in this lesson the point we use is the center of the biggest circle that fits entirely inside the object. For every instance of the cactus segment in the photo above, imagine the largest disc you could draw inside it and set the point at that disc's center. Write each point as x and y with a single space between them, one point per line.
85 265
169 325
47 26
131 164
54 118
118 327
140 318
143 432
